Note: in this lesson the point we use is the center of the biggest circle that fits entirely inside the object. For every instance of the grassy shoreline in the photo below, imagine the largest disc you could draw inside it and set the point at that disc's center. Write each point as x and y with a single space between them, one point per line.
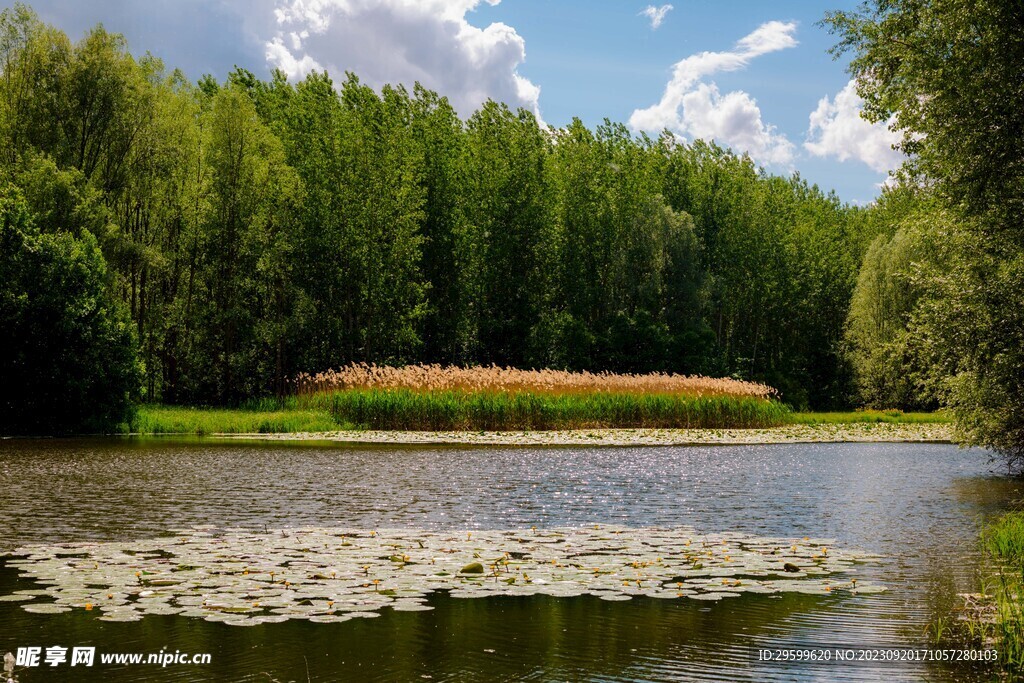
274 418
994 618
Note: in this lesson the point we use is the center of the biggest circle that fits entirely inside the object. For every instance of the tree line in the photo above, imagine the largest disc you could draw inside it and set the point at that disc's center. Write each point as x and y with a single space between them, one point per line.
252 229
203 242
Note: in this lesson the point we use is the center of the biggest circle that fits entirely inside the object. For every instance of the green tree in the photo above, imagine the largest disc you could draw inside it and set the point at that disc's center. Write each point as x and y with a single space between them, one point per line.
508 209
626 263
950 72
880 343
448 248
69 362
240 307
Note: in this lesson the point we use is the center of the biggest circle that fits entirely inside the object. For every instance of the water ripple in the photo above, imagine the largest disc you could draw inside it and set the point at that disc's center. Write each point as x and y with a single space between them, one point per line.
918 505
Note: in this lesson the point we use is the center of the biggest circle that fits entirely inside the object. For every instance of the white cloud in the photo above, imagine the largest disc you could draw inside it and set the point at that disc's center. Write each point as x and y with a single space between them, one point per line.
656 14
837 130
692 107
404 41
768 37
281 57
734 118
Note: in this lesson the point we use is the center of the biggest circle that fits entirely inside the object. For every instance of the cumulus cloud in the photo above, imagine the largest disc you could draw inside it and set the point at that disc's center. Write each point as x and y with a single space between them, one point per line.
383 41
693 107
404 41
837 130
656 14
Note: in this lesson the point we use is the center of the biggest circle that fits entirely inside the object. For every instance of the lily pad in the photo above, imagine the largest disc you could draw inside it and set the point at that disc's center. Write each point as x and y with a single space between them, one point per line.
48 608
329 575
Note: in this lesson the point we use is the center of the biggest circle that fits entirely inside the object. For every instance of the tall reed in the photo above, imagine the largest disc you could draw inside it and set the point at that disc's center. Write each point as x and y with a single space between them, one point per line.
432 378
494 411
436 398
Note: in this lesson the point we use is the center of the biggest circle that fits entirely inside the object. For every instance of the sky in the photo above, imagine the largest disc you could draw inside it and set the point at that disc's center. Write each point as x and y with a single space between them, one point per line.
752 75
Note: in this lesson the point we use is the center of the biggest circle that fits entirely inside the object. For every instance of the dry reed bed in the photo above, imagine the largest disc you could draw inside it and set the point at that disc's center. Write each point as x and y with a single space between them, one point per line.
436 398
481 379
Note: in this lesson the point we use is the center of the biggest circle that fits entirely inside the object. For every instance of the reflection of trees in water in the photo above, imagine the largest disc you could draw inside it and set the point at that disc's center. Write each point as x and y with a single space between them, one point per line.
991 495
508 638
464 640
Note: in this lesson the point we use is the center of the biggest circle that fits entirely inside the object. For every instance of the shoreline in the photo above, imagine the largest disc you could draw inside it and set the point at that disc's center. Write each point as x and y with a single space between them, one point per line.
801 433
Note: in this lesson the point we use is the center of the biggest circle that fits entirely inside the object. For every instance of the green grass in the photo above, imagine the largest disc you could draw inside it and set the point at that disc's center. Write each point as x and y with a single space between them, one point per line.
1001 623
861 416
404 409
491 411
1005 538
172 420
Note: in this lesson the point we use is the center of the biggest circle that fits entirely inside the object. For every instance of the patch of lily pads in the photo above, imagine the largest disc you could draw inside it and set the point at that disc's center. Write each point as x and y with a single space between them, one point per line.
325 575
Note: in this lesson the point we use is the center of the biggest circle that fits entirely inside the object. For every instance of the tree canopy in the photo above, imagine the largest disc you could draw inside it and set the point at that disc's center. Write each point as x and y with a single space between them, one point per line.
952 74
254 229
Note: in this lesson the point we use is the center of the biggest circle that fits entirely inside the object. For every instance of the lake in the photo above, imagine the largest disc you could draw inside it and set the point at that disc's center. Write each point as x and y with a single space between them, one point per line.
918 505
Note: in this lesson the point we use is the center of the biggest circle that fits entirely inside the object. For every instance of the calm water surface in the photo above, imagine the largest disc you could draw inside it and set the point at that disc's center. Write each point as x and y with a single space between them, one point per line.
919 505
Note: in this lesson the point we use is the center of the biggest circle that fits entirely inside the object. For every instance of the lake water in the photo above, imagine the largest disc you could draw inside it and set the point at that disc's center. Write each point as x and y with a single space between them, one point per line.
919 505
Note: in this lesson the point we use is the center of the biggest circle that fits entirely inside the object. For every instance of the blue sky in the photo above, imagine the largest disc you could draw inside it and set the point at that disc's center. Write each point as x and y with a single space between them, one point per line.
748 73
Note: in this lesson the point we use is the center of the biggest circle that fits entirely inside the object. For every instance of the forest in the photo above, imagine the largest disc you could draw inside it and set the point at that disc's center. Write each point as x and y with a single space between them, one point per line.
197 242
